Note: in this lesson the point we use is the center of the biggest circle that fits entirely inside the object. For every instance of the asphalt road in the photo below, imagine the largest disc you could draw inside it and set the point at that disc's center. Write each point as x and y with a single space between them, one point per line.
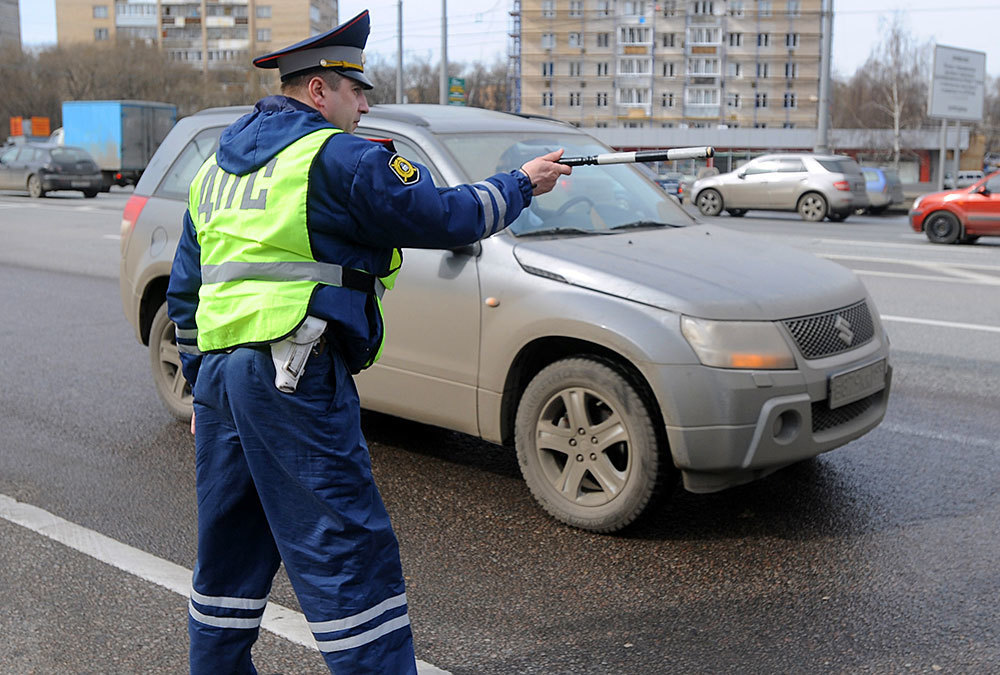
877 557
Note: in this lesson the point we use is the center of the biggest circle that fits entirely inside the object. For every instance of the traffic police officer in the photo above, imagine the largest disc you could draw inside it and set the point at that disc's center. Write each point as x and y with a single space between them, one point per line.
292 234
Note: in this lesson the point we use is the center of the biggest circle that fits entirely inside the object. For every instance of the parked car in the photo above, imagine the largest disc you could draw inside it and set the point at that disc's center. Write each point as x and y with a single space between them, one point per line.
884 188
671 183
961 180
961 215
608 337
40 168
817 186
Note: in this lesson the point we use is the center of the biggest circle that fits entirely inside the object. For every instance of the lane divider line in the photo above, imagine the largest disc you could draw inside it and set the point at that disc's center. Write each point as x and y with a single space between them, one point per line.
282 621
942 324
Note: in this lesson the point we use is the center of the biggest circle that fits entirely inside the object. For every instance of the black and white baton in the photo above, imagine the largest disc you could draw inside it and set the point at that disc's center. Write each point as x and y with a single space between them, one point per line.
671 154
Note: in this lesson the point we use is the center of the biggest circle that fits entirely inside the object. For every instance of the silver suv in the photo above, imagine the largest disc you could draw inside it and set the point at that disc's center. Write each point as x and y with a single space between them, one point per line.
817 186
614 342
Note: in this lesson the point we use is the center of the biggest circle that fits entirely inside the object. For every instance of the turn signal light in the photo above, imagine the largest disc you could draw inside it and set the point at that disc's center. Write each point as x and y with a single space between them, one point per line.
133 207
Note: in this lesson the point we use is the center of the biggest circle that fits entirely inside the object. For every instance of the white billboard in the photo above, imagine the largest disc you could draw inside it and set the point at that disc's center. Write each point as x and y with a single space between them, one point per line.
957 84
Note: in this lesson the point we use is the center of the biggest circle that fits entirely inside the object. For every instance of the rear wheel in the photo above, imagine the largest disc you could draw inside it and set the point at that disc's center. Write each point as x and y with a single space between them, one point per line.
877 210
90 194
812 207
165 361
35 190
942 228
736 213
587 445
709 202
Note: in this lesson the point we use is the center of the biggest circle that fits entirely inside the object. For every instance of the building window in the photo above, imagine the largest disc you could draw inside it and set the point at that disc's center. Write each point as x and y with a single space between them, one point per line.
575 40
736 8
603 7
791 40
791 71
702 96
789 99
635 67
760 125
704 36
603 39
634 35
733 100
735 69
546 99
575 68
548 9
263 11
633 95
547 69
794 7
548 40
763 8
703 67
760 100
263 35
602 99
574 99
576 8
763 39
703 7
602 69
100 34
668 69
101 12
634 8
667 100
763 70
669 7
668 39
736 39
788 125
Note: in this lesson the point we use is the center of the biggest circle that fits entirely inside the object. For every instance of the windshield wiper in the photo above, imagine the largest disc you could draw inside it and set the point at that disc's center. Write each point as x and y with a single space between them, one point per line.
556 230
642 223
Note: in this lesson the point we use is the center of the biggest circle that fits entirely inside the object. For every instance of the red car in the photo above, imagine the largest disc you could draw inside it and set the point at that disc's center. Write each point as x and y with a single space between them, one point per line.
960 215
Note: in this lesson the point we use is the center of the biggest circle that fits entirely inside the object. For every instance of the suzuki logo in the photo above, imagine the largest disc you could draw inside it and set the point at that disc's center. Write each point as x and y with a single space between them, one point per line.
843 328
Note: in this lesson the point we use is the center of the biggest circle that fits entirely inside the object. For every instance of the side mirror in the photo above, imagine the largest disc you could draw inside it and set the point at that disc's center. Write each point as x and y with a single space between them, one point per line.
741 175
984 189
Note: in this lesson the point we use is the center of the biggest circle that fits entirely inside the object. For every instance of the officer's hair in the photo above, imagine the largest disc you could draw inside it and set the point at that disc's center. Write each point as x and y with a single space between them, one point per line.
300 80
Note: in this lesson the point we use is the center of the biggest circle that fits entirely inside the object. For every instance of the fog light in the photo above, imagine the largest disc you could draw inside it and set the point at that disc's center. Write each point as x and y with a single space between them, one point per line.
786 426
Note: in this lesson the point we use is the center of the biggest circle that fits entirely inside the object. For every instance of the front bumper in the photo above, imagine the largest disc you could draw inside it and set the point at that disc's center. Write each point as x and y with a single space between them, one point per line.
730 427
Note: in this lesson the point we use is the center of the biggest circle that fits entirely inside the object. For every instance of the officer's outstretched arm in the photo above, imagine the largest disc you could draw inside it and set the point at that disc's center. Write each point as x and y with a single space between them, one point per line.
544 172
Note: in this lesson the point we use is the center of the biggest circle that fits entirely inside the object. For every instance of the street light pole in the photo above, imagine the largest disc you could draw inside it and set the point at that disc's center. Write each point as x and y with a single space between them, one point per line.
399 52
443 90
826 55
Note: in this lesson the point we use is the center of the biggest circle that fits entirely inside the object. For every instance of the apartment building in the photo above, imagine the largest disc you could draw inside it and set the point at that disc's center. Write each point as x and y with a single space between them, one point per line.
199 32
10 24
667 63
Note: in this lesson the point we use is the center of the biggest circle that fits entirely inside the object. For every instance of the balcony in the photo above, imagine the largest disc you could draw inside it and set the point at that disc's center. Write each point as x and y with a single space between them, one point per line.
702 110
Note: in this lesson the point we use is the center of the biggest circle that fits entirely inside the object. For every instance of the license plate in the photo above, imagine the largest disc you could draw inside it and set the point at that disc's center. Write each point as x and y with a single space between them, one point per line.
856 384
80 183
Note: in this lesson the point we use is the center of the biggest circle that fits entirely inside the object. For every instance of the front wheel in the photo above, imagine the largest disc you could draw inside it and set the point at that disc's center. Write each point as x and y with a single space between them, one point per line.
165 361
812 207
35 190
942 228
709 202
587 445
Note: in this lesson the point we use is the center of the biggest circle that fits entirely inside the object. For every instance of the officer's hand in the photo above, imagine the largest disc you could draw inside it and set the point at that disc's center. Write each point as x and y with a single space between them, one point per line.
544 172
192 422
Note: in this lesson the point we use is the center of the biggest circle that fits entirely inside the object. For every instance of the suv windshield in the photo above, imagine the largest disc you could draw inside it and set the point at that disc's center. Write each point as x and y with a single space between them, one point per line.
594 199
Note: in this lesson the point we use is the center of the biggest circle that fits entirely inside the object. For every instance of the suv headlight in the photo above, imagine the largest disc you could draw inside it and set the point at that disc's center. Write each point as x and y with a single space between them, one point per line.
916 203
756 345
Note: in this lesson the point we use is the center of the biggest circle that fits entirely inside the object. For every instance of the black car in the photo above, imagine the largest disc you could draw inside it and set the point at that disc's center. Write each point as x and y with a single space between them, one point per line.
40 168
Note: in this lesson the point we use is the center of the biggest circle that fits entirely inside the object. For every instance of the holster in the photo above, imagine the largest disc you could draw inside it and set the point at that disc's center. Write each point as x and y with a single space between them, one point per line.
290 355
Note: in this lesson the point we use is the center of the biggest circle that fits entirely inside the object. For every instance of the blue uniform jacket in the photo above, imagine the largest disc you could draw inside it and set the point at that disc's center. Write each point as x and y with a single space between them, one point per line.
359 209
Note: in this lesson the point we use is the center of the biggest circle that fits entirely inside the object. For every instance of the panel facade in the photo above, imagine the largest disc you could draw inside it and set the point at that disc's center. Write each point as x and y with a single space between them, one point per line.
672 63
10 24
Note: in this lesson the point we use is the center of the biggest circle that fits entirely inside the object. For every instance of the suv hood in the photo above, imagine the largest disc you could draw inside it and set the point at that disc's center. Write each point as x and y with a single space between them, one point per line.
704 271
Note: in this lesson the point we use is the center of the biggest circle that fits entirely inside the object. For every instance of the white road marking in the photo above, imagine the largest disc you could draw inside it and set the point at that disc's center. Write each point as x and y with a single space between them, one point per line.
942 324
928 277
116 237
281 621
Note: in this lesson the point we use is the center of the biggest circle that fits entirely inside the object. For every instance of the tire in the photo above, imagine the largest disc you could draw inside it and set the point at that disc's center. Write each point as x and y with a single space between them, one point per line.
736 213
90 194
838 217
812 207
577 478
165 362
878 210
709 202
35 190
942 227
968 239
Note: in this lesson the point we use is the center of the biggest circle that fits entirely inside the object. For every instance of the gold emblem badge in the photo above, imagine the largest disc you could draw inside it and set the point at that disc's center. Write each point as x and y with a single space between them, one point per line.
405 172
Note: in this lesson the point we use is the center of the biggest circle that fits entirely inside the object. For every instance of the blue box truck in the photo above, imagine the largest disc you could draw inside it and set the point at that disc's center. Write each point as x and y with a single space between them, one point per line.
120 135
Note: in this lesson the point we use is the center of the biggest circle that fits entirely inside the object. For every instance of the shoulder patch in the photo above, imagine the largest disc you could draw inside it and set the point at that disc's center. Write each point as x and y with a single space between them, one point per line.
406 172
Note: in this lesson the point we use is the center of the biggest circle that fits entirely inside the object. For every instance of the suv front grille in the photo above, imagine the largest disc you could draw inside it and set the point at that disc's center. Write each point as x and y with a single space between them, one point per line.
834 332
823 418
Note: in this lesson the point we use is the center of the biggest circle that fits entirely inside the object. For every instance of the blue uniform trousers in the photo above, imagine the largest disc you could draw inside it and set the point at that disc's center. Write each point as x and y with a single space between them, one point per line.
287 477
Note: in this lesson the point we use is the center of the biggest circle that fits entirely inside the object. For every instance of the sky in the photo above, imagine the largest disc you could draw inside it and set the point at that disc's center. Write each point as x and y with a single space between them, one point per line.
477 29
